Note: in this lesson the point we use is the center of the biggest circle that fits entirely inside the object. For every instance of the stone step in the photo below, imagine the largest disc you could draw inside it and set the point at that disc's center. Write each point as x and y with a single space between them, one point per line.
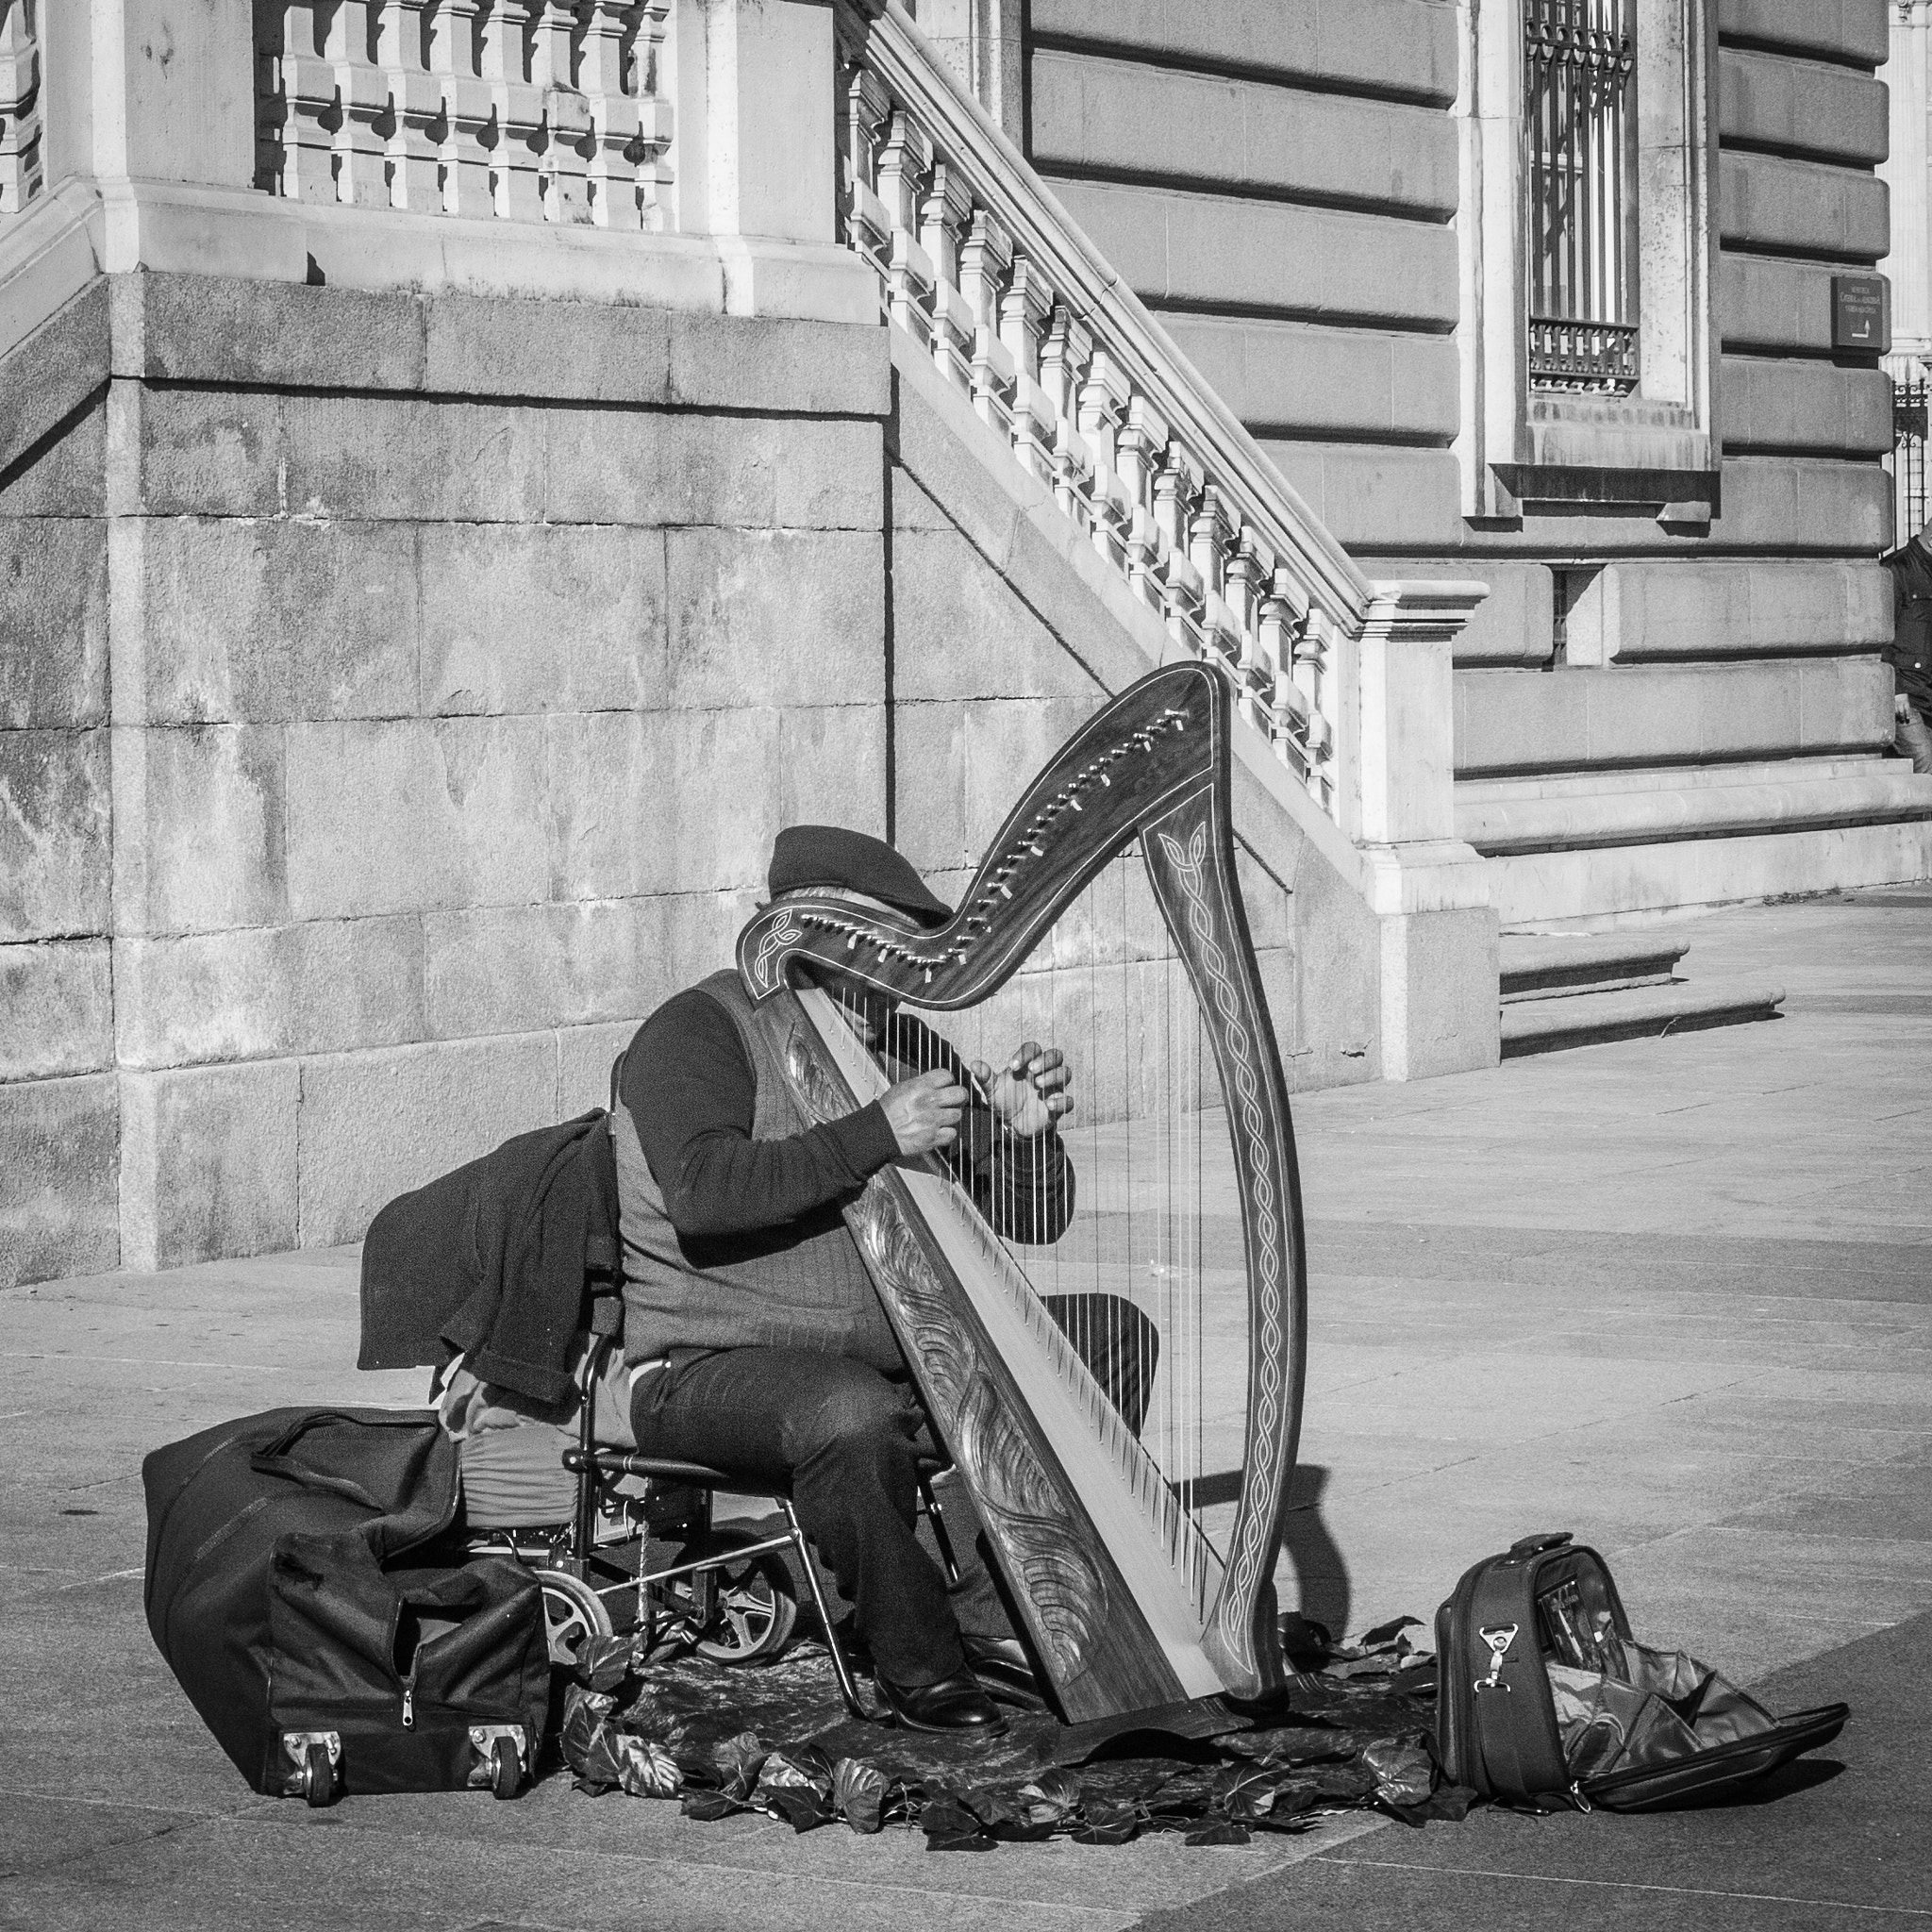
1536 966
1577 821
1635 1013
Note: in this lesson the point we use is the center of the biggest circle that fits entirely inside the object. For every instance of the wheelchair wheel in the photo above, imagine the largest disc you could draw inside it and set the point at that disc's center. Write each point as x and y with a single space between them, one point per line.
573 1614
755 1610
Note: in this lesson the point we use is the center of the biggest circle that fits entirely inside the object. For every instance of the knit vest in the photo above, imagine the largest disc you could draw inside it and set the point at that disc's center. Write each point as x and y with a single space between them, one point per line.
801 1285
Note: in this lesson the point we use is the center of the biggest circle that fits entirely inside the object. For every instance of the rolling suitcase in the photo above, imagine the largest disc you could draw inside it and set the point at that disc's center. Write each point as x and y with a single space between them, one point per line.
280 1591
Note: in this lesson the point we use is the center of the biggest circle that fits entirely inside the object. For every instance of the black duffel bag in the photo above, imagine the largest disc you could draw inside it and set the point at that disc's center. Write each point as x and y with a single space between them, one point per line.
289 1588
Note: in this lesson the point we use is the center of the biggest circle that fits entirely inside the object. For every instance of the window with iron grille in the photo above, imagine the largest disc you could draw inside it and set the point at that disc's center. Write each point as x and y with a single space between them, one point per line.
1581 108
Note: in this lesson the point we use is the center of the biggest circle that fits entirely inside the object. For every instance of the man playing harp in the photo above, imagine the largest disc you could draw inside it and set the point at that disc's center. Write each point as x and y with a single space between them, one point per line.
758 1343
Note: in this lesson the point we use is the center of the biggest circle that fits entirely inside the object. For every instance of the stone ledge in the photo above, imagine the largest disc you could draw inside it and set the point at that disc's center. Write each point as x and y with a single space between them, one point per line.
282 335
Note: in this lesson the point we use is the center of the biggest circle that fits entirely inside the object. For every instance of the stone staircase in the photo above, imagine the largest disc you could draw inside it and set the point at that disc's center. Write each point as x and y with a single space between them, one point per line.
1559 989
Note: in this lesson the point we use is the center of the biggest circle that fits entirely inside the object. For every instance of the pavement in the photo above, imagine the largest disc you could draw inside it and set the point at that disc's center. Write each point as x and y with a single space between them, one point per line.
1673 1294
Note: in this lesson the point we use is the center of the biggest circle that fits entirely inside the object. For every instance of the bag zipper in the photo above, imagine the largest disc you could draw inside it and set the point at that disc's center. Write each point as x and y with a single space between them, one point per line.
410 1706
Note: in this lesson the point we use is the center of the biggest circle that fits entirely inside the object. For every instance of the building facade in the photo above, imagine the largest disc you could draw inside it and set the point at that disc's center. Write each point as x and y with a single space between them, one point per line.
471 469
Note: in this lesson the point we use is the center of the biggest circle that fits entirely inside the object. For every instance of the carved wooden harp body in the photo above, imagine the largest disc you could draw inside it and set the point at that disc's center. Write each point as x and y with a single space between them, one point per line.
1138 1534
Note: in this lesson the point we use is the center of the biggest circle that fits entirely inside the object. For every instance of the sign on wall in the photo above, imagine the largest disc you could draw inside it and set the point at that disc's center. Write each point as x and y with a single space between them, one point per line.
1861 313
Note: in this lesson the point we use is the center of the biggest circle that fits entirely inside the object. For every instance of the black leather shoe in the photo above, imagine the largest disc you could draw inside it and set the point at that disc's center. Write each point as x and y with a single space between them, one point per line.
1002 1666
955 1705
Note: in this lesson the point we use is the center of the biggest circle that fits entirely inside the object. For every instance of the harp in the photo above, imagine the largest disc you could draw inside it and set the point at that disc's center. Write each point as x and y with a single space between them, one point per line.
1138 1532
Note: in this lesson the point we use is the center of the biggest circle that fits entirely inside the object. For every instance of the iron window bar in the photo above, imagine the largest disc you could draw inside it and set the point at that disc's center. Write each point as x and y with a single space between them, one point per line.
1580 113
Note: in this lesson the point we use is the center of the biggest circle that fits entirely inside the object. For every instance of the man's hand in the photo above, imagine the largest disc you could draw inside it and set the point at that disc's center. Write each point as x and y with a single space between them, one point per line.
1029 1094
923 1113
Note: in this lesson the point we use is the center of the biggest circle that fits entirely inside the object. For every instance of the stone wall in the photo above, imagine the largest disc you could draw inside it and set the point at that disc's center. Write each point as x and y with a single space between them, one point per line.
370 666
399 693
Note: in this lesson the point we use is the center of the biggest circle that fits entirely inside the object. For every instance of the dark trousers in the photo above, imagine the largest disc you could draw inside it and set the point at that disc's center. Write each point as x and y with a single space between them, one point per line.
847 1441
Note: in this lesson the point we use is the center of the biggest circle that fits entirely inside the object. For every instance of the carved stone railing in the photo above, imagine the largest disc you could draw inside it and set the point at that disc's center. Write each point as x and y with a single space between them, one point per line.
520 110
22 170
980 264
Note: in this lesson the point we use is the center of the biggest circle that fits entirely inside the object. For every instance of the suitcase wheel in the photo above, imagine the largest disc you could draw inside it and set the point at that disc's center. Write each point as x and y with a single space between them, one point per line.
318 1775
505 1768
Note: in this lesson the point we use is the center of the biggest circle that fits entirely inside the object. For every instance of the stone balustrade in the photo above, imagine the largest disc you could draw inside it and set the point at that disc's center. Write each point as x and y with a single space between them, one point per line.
22 171
978 263
520 110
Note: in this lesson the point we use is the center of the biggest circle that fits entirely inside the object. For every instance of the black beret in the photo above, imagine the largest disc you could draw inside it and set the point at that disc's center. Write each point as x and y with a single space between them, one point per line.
805 856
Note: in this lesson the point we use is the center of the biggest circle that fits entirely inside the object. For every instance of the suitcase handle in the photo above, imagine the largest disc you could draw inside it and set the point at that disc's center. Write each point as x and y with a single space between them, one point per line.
1536 1545
275 1459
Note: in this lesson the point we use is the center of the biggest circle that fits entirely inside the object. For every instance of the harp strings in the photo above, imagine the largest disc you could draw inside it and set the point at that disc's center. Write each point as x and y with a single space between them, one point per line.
1138 1279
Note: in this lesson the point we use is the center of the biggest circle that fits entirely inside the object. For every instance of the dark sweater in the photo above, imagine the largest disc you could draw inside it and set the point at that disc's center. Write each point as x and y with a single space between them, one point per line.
691 1093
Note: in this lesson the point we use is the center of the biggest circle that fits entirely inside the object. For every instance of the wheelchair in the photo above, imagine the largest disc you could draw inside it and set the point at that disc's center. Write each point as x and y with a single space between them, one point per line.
640 1551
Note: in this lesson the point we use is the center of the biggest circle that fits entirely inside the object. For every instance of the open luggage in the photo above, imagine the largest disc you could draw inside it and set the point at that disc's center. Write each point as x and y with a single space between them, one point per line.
1544 1698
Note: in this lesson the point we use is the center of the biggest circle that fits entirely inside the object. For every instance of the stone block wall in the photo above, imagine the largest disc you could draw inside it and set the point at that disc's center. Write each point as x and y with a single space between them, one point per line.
399 698
1281 185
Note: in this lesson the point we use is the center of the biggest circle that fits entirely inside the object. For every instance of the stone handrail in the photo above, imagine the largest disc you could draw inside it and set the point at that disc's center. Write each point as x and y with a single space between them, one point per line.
979 263
520 110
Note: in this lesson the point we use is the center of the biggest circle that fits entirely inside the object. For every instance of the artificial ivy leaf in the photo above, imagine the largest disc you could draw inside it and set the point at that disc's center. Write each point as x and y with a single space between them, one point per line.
797 1766
603 1663
738 1762
1050 1798
859 1789
709 1806
802 1807
1405 1773
1107 1821
949 1825
1219 1831
647 1770
1391 1632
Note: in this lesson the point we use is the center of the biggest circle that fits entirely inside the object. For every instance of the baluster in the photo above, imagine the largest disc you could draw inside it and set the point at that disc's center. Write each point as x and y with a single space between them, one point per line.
1283 717
650 151
1247 567
985 262
904 165
1103 397
1185 589
1063 370
21 168
312 105
415 147
1139 451
368 113
612 190
509 32
567 140
942 214
868 222
272 133
1315 686
1023 311
470 127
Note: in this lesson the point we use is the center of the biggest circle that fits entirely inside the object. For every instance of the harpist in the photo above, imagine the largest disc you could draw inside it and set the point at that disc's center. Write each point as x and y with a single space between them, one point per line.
759 1341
